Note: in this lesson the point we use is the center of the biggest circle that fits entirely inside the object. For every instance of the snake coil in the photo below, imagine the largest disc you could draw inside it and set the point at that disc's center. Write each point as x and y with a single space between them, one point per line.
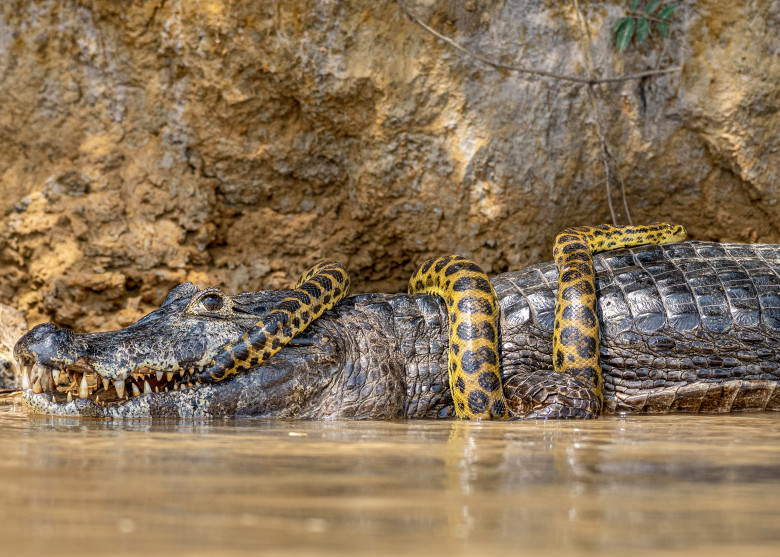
473 358
472 307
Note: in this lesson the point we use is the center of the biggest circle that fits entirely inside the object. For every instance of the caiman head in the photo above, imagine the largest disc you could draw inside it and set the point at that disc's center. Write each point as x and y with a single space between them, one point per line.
151 367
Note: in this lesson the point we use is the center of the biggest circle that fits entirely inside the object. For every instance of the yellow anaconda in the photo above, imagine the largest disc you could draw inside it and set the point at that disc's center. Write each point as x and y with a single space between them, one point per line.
475 376
473 362
318 290
473 357
576 329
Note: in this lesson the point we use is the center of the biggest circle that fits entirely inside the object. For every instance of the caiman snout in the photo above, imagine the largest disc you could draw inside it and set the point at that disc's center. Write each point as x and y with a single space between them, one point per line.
47 344
109 368
153 366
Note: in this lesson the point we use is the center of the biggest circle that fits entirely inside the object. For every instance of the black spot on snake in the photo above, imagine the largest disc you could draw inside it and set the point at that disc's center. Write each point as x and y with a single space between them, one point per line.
464 284
477 330
475 306
478 401
580 314
489 381
473 360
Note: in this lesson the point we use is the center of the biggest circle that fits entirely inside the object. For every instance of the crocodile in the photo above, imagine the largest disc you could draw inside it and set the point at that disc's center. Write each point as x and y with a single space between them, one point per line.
684 327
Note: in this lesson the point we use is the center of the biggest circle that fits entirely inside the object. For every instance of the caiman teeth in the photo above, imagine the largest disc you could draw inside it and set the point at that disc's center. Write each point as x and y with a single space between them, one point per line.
76 379
47 383
84 388
26 377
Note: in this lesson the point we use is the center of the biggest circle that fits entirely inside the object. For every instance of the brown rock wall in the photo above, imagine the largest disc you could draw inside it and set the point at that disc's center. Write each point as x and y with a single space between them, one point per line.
143 144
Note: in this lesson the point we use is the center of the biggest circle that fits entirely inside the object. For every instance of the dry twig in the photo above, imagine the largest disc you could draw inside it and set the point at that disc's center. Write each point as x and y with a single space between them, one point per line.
530 71
590 81
606 156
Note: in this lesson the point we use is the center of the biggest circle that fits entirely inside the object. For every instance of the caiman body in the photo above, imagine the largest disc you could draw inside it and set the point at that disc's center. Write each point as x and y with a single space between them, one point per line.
690 327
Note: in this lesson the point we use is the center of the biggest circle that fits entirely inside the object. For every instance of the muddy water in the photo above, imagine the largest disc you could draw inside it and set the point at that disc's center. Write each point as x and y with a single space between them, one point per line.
687 485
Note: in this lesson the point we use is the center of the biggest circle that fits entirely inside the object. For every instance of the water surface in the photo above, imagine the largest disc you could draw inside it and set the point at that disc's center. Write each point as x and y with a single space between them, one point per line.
653 485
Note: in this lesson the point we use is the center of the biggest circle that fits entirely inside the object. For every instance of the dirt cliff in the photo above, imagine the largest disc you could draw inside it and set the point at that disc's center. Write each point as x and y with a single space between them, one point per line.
144 144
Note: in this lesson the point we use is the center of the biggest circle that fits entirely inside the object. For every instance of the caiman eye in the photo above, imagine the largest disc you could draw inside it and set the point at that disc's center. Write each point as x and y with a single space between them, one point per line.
212 303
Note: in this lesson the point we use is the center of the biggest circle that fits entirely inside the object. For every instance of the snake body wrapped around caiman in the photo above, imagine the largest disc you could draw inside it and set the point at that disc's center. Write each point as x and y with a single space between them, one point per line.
475 377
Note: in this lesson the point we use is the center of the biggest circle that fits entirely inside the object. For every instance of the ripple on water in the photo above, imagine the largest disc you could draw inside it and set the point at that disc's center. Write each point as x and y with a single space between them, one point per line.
662 485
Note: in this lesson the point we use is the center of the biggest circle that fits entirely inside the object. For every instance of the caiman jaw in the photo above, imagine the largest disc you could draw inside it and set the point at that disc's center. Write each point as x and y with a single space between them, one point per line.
79 380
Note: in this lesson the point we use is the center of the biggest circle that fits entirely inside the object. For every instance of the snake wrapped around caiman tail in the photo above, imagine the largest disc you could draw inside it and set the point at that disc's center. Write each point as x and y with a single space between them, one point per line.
576 330
475 376
473 362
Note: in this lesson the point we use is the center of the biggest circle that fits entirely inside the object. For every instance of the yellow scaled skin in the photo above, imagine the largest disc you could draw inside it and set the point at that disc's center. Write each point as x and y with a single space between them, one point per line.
576 330
474 372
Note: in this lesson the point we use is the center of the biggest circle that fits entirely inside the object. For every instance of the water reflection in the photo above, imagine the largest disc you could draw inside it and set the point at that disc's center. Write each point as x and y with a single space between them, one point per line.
641 485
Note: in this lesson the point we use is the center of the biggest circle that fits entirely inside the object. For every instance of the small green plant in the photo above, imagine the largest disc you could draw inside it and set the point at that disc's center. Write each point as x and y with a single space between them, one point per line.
639 22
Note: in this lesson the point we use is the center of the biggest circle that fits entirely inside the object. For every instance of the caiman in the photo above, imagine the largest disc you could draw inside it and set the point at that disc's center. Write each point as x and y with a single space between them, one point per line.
678 327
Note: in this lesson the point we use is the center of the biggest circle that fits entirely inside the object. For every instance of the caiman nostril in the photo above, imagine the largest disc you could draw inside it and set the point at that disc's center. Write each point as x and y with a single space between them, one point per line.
45 343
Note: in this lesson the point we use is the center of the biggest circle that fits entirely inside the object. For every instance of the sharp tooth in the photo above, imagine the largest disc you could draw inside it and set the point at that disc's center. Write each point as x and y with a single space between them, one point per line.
25 378
106 383
35 373
176 387
84 387
46 380
160 375
170 375
70 396
157 388
119 385
147 388
136 392
55 375
37 386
